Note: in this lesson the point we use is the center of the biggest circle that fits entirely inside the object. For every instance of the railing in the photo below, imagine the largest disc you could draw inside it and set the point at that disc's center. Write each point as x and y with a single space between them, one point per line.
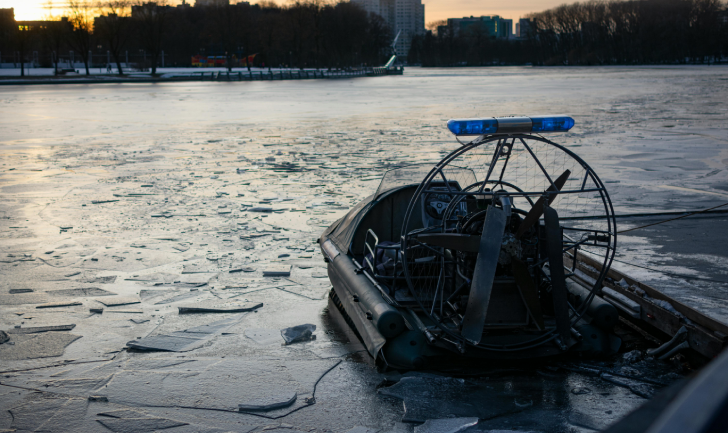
291 74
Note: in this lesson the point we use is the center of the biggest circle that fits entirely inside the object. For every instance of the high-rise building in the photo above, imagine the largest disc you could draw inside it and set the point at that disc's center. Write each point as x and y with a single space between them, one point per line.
406 17
506 28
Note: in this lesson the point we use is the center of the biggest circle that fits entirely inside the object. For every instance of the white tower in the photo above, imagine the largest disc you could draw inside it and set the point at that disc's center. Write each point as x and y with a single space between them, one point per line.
407 16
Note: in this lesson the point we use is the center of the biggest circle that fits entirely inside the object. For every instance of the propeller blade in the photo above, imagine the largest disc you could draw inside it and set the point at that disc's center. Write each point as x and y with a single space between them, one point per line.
529 291
554 246
484 274
452 241
537 210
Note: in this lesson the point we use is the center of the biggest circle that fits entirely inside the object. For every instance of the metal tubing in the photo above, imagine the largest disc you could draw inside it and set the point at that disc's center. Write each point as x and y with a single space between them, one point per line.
387 319
603 314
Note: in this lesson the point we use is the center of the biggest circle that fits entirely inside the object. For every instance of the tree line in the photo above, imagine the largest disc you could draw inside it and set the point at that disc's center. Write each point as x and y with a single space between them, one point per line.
471 47
595 32
632 32
304 33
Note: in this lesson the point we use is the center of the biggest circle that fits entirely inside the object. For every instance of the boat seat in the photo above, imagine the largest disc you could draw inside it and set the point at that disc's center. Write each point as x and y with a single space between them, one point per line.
383 261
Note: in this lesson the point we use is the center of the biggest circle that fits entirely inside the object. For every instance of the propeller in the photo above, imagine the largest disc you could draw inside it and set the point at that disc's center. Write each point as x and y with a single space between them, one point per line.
485 266
537 210
554 246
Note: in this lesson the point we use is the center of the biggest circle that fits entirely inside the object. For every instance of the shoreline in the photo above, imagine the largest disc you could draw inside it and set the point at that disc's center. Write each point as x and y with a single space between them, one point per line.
279 75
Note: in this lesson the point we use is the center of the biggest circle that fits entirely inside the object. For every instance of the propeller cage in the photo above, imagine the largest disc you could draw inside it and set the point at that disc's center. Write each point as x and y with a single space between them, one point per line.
491 238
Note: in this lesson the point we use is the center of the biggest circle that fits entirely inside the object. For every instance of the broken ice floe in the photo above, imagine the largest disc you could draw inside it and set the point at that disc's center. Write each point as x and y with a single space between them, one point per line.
298 333
37 329
77 293
128 425
446 425
277 271
120 300
16 291
261 385
182 341
33 346
219 307
58 304
269 402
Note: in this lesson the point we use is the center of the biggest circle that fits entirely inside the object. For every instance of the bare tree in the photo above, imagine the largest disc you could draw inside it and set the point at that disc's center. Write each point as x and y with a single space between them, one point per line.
115 27
619 31
267 25
433 25
81 19
151 19
23 35
226 24
54 34
247 25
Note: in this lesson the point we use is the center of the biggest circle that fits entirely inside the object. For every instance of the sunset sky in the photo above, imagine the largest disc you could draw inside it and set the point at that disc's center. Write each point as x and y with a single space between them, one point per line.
434 9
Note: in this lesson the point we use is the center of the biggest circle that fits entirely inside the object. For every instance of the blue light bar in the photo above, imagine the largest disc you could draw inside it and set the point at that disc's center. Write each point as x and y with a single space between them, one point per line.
510 125
472 126
551 123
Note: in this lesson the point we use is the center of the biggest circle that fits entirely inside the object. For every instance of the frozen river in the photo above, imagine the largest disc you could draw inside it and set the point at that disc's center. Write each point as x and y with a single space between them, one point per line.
143 191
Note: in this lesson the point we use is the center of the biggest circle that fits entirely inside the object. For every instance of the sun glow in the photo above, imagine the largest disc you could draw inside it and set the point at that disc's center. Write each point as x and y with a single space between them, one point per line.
27 10
435 10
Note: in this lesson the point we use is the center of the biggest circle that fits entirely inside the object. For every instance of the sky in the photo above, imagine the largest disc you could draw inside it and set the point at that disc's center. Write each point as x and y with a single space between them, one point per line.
435 10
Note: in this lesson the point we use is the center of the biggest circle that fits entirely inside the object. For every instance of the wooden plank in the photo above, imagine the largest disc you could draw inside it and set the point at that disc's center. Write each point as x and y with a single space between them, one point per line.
683 309
702 339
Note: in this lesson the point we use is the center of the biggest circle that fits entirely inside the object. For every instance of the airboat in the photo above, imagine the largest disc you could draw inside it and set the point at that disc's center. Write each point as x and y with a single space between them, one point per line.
500 251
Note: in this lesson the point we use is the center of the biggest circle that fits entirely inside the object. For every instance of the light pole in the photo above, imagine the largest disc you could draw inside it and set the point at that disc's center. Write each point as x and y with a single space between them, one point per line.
22 36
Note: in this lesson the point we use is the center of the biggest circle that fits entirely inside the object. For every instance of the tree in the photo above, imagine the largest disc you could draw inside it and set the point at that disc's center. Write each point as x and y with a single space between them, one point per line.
55 36
150 20
115 27
267 26
378 40
226 23
80 32
247 24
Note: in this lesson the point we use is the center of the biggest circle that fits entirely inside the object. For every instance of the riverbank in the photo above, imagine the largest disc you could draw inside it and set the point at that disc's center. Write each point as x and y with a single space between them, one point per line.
258 74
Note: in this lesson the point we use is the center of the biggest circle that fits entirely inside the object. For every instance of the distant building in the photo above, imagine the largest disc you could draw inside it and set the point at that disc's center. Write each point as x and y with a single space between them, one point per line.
206 3
138 11
506 26
7 15
407 16
7 22
101 22
7 29
522 27
42 25
494 26
199 3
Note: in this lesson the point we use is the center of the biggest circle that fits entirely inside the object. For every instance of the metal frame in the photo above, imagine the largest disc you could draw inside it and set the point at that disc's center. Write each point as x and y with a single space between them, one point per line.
501 141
